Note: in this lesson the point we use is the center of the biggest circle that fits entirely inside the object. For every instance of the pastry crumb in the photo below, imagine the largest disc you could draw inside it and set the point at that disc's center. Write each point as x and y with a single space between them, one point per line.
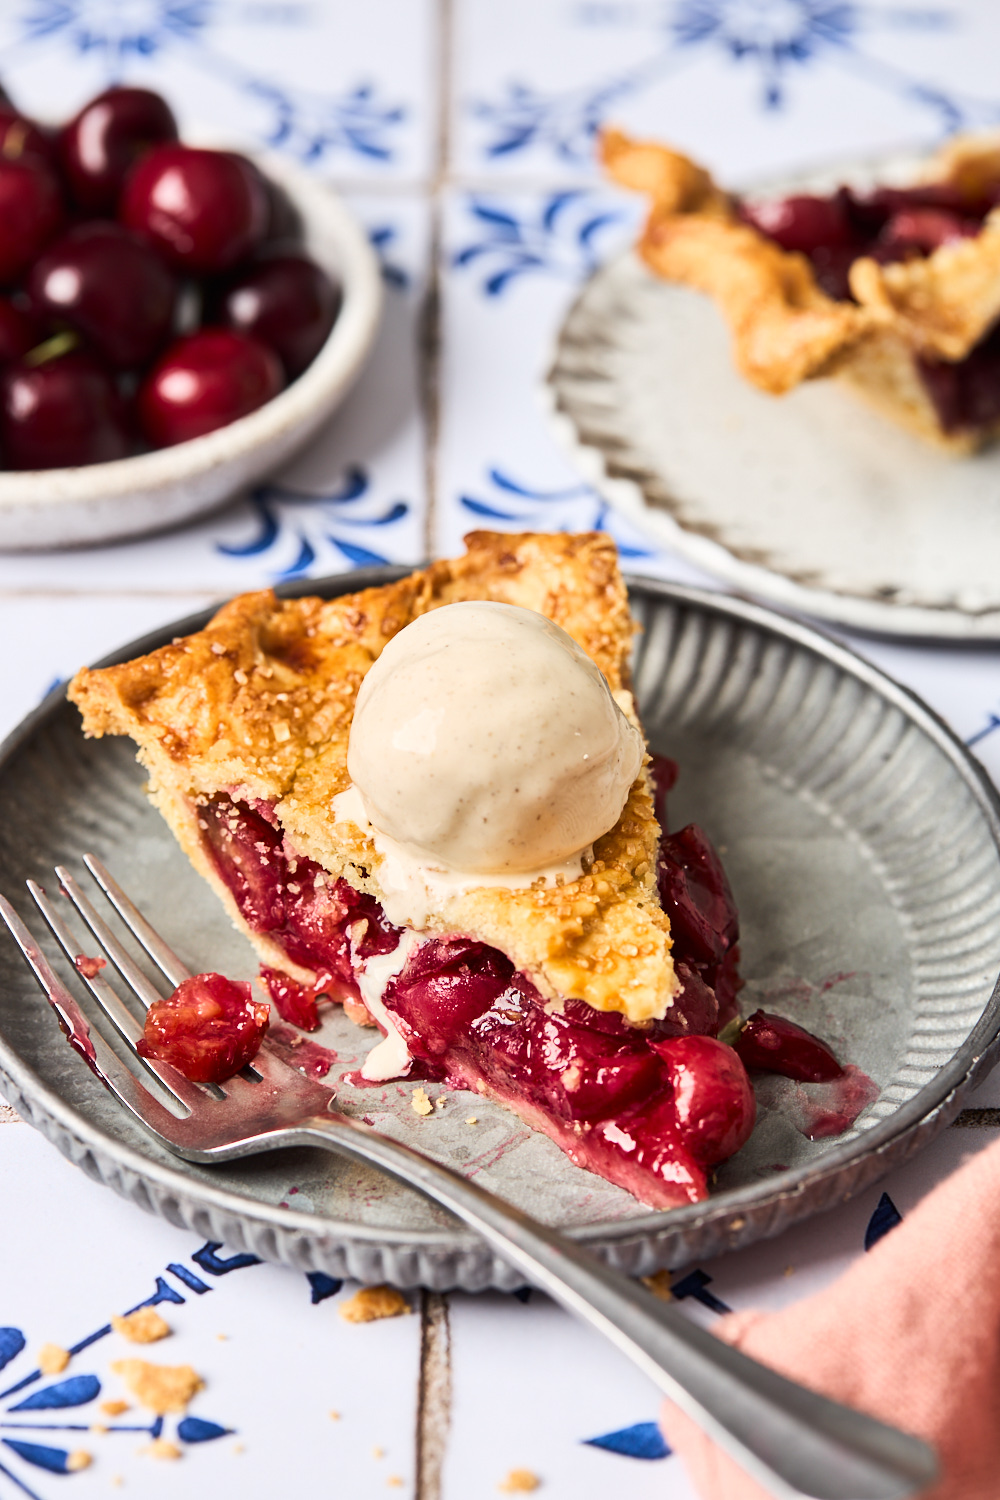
394 1482
788 1271
370 1303
335 1416
222 1337
117 1480
144 1326
739 1223
52 1359
421 1102
659 1285
81 1459
378 1452
99 1428
161 1388
114 1408
519 1482
162 1448
472 1120
239 1448
440 1101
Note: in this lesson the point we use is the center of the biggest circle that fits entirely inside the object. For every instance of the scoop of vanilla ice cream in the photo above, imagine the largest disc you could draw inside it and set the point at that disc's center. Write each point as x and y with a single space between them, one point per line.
485 740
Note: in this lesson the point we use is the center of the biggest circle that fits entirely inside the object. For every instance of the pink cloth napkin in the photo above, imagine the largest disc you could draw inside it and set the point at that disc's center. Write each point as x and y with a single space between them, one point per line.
911 1334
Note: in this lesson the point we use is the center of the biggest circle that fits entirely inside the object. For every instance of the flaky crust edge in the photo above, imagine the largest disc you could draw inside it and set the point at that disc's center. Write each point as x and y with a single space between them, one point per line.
785 328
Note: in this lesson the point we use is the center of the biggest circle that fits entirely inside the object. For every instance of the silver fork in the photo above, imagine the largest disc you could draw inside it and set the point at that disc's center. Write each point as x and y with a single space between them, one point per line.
792 1441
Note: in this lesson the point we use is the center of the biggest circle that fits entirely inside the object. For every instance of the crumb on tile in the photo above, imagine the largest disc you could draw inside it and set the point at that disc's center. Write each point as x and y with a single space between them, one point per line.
161 1388
519 1482
162 1448
81 1459
659 1285
222 1337
440 1101
335 1416
378 1452
370 1303
117 1480
421 1102
114 1408
472 1120
394 1482
144 1326
99 1428
788 1271
52 1359
239 1448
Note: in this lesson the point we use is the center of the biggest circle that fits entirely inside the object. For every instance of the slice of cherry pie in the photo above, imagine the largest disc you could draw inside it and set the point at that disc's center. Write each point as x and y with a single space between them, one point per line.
895 291
588 1001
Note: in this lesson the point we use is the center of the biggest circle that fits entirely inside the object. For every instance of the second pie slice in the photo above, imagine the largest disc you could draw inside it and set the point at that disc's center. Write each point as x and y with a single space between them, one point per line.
561 993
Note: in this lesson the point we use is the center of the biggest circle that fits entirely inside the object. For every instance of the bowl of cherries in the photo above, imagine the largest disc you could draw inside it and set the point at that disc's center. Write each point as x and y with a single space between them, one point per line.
175 321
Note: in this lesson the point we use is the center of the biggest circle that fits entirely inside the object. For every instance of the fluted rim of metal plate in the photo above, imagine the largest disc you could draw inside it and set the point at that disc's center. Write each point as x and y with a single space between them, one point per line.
739 1216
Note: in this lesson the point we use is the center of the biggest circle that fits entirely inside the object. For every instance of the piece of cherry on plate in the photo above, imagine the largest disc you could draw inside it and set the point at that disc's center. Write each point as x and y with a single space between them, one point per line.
208 1029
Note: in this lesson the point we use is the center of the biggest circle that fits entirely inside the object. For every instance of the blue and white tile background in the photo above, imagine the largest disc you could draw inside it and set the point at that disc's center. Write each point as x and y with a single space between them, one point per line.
461 132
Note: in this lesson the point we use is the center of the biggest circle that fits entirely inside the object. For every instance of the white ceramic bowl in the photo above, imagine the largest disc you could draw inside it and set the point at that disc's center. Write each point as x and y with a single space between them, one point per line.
103 502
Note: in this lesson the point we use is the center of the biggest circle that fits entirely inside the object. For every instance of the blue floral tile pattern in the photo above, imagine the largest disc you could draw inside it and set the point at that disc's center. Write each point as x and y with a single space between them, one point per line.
632 61
273 75
563 235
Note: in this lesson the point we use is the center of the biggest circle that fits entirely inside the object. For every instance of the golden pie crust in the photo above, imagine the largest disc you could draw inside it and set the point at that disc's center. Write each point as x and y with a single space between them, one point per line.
259 705
785 328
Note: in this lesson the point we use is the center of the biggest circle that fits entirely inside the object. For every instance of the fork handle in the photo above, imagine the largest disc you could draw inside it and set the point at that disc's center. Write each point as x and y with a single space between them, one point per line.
791 1440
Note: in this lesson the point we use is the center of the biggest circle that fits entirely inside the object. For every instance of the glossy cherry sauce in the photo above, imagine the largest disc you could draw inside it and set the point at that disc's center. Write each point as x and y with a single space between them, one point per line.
652 1108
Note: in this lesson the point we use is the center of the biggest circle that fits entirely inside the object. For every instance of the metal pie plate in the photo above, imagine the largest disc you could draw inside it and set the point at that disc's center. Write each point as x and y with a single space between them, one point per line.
810 500
862 844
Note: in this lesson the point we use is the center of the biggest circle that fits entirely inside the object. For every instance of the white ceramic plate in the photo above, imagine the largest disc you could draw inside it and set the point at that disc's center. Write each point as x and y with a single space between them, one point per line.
809 500
104 502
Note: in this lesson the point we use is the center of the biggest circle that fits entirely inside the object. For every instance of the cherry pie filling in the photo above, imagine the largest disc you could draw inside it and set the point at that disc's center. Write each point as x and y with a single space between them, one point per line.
650 1107
892 224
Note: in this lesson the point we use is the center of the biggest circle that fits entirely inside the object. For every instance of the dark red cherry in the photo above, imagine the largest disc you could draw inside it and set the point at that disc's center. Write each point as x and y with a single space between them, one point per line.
663 773
60 413
772 1042
31 212
103 142
696 896
284 225
287 302
802 222
205 381
713 1100
208 1029
203 210
19 332
22 140
108 284
922 230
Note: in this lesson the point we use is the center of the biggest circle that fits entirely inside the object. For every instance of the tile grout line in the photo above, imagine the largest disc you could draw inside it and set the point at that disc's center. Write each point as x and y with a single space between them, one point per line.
434 1387
430 315
433 1395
